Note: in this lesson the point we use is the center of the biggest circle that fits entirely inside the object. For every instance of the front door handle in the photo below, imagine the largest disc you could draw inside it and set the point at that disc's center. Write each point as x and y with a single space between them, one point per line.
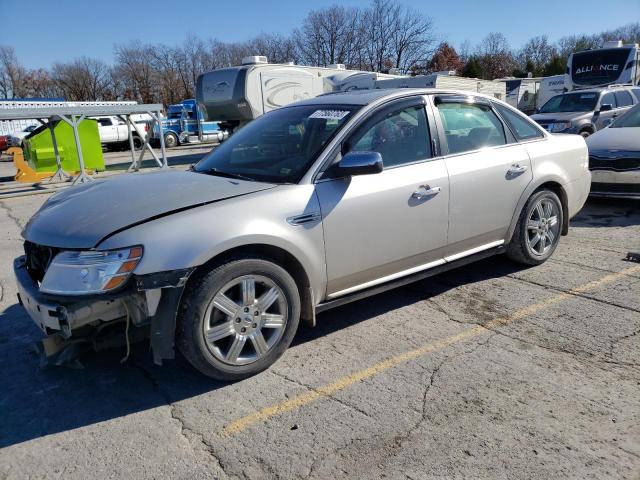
424 191
516 169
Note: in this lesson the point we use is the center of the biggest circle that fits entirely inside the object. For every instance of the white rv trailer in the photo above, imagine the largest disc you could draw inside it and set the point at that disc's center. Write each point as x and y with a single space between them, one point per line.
614 63
447 80
550 87
236 95
521 93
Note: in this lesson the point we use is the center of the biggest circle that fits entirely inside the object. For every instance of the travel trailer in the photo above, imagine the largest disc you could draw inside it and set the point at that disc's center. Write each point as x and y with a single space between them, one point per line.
236 95
446 79
615 63
522 93
550 87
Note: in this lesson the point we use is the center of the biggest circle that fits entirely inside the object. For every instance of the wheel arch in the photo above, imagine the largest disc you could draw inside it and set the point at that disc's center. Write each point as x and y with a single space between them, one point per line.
549 184
277 255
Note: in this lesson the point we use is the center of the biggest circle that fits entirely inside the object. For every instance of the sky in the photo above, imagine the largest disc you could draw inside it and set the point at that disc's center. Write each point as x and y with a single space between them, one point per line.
50 31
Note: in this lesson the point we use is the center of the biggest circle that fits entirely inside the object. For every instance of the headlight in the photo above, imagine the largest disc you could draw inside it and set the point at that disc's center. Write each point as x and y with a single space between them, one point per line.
83 273
559 126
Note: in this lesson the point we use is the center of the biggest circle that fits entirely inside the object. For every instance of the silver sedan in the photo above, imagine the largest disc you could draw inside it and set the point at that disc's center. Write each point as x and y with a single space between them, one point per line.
310 206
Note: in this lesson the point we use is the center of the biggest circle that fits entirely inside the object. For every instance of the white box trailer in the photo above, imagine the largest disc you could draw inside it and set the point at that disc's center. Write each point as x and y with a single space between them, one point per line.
236 95
550 87
8 127
447 80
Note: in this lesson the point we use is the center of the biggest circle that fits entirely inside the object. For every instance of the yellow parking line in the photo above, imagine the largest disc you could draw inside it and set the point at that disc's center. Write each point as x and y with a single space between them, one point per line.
301 400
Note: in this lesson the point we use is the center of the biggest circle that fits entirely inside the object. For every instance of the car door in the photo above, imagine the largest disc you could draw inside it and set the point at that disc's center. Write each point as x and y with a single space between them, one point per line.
624 102
488 173
382 226
107 130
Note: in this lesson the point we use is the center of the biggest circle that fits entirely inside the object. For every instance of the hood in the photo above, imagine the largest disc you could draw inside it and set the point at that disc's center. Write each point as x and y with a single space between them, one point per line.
615 139
558 117
81 216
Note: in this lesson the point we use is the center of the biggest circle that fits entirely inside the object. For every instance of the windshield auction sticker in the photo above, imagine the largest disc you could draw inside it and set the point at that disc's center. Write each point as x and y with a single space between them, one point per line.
330 114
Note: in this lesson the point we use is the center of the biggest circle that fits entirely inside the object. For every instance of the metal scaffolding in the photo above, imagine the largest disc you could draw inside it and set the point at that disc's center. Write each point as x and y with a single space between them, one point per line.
75 115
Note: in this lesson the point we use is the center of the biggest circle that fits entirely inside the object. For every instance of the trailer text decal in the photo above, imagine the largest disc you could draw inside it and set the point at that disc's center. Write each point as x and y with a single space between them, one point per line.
596 68
330 114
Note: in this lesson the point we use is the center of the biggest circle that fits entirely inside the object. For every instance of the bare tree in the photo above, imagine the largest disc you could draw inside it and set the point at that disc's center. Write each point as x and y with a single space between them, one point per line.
133 65
12 74
494 57
83 79
412 38
329 36
535 54
277 48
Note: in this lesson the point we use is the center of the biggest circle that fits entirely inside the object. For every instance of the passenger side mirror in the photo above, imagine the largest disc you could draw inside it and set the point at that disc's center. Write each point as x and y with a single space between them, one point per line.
358 163
605 107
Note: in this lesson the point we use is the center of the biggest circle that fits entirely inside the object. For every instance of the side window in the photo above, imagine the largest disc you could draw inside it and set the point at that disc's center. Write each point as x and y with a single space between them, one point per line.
623 98
522 127
401 137
636 92
608 98
104 122
469 126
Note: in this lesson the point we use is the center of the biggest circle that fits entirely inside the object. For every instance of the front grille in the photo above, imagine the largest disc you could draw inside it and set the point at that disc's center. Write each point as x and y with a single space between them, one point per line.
620 164
622 188
38 258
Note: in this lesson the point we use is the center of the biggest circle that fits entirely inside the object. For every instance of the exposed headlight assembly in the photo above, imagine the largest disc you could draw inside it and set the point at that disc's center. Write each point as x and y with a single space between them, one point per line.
88 272
559 126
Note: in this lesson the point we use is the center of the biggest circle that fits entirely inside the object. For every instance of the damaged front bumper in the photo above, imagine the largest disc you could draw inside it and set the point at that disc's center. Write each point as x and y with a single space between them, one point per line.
147 299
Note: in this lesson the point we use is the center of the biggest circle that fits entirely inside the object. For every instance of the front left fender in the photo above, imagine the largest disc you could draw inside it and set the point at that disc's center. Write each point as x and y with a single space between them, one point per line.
191 238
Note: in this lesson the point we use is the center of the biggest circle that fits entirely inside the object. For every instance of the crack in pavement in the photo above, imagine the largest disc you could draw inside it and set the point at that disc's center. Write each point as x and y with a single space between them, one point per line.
185 431
581 356
588 267
328 396
10 214
575 294
586 356
398 439
401 438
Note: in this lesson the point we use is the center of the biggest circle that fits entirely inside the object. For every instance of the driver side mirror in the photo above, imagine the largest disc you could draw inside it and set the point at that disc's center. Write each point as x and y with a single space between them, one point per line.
358 163
605 107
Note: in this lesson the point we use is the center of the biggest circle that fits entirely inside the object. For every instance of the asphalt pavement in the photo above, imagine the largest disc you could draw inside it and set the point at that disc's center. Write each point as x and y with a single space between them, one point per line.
490 371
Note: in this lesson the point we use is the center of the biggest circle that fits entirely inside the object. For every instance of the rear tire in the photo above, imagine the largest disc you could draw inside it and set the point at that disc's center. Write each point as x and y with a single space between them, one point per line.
137 142
238 318
538 230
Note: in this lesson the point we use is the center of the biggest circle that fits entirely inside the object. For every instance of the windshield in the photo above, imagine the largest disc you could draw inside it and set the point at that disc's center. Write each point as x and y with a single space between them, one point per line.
629 119
279 146
571 102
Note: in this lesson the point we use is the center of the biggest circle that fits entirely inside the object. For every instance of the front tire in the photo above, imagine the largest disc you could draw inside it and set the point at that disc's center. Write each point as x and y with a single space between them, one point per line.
538 229
171 140
585 133
238 318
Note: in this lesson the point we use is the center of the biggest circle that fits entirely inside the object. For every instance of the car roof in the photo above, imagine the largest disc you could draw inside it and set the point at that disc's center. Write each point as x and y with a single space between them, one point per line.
366 97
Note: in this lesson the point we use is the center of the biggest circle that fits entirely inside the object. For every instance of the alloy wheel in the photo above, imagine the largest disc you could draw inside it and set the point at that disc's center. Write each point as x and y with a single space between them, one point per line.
543 227
245 319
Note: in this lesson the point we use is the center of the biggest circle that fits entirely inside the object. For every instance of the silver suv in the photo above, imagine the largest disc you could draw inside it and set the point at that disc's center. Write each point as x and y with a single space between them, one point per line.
308 207
586 111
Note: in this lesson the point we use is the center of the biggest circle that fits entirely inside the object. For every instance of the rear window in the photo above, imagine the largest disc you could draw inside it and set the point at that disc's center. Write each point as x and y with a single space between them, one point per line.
522 128
623 98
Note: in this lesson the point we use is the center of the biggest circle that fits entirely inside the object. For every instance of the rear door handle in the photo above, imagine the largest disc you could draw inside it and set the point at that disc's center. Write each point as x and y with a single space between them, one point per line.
424 191
517 169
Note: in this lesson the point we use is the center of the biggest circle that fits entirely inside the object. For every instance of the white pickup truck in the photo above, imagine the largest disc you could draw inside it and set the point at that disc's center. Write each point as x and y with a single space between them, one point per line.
114 132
